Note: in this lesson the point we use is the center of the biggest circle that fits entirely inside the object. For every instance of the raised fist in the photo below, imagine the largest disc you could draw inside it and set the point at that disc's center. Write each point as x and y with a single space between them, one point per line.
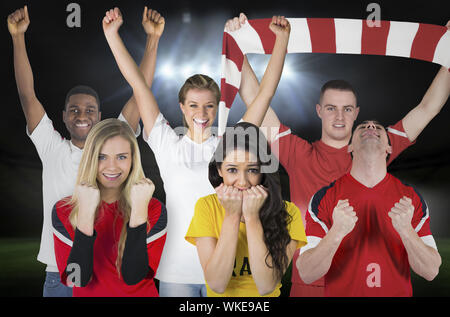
141 192
235 23
401 214
153 22
88 197
140 195
280 26
18 21
344 218
112 21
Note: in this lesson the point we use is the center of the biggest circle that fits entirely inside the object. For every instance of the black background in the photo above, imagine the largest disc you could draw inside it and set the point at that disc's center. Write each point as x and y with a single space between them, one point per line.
62 57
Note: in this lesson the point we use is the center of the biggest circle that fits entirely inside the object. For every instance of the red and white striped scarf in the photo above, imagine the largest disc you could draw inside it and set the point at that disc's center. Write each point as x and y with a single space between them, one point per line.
341 36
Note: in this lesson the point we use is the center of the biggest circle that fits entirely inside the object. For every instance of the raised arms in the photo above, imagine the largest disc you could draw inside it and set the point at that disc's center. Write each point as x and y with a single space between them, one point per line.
146 102
431 104
249 87
153 24
257 108
18 23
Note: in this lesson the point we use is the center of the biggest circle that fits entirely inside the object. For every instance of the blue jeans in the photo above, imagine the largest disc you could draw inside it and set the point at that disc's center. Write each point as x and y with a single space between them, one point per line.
181 290
53 286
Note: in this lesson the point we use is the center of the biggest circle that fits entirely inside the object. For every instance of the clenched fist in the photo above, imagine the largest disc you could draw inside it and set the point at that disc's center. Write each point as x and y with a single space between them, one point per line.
344 218
153 22
235 24
88 200
401 214
253 199
230 198
280 26
18 21
112 21
141 192
140 195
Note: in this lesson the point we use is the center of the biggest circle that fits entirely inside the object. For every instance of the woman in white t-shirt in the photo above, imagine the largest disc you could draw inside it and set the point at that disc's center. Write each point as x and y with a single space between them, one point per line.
183 159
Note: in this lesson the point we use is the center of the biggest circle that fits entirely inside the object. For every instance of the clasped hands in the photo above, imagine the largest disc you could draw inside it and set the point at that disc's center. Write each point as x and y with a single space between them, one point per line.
244 203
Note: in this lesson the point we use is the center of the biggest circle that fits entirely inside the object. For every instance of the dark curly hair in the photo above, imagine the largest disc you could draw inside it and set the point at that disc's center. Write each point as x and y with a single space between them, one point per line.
273 214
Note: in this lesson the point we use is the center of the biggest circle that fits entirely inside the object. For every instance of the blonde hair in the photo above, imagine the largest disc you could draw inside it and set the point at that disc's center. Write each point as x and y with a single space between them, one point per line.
87 172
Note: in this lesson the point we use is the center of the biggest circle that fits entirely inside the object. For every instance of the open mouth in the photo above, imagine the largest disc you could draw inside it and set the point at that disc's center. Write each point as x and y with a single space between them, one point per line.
339 126
82 125
112 177
202 123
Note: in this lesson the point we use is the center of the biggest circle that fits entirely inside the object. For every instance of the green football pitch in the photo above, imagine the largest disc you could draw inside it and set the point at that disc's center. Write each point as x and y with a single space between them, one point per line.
21 275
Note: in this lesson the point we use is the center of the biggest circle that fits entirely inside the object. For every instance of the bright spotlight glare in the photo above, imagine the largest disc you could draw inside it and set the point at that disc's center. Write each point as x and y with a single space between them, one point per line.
167 70
204 69
287 70
186 71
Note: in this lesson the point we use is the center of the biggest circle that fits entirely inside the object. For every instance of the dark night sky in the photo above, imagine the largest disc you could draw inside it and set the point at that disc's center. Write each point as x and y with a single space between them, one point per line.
62 57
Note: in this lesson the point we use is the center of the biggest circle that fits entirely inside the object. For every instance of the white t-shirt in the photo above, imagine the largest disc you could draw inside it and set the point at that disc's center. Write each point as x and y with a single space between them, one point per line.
183 165
60 160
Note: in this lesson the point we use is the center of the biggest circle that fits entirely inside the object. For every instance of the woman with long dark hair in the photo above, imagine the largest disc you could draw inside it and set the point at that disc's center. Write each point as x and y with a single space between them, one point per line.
183 160
245 234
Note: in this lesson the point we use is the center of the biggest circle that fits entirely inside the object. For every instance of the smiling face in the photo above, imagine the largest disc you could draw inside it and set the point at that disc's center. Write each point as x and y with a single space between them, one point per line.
338 111
370 137
240 169
199 110
114 164
80 115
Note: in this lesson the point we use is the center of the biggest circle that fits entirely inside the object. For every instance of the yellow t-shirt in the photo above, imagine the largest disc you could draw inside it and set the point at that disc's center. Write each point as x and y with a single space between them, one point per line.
207 222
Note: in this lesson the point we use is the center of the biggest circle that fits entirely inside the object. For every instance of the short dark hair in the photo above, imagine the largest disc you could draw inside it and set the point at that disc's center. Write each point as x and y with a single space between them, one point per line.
82 89
385 129
338 84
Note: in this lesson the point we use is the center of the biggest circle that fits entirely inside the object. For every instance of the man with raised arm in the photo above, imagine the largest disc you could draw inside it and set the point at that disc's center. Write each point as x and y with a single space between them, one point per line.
367 229
60 158
312 166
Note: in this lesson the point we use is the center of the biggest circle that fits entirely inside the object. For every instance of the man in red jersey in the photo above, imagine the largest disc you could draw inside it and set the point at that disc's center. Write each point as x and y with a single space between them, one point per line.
311 166
367 229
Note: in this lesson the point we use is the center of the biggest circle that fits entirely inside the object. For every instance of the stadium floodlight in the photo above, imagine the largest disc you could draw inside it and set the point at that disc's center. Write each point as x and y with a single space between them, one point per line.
204 69
187 71
288 71
167 70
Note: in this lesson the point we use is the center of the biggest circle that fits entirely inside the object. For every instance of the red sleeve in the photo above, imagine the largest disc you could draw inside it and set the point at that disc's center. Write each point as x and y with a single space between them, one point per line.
156 237
399 140
63 235
288 147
